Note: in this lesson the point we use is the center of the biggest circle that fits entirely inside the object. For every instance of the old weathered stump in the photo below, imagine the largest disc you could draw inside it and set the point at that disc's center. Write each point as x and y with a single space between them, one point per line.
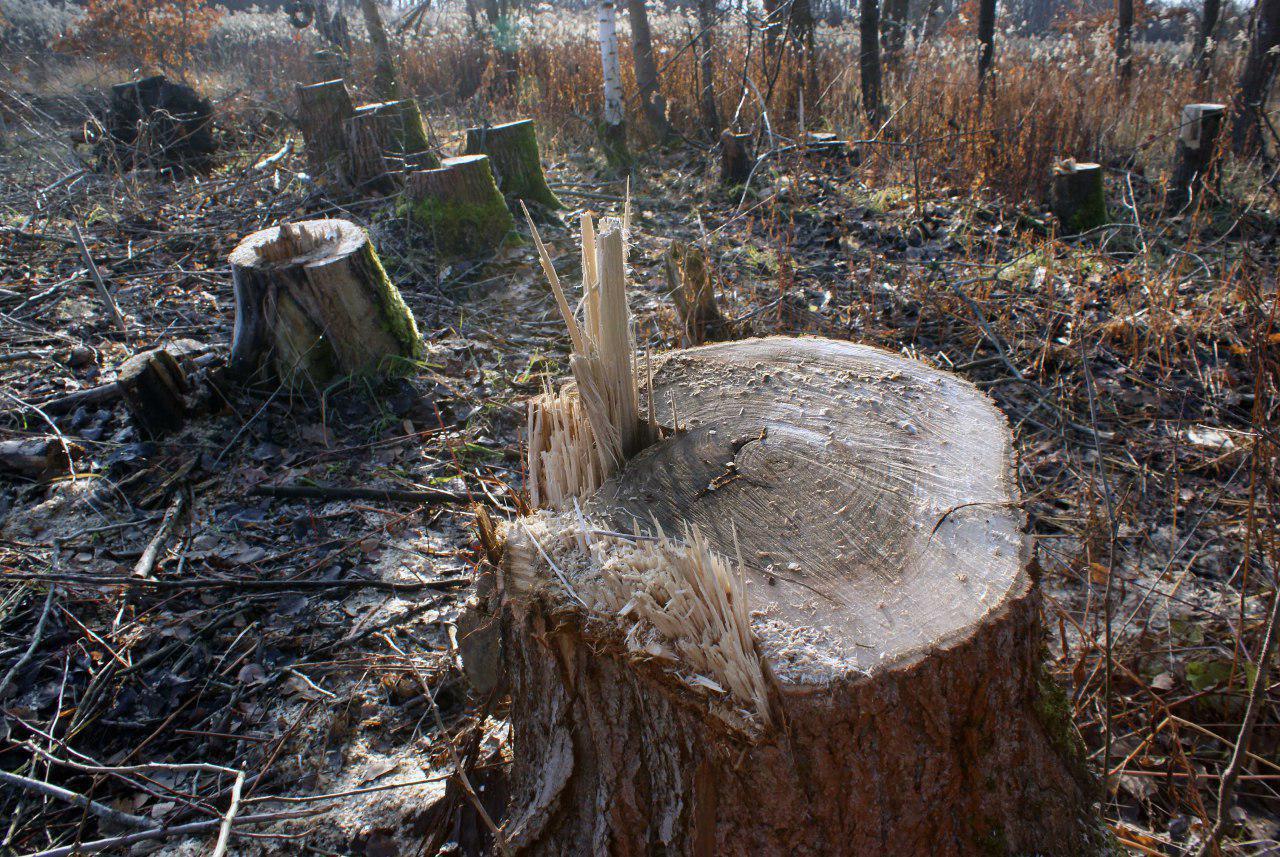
693 292
155 123
1077 196
154 387
459 206
736 158
324 109
328 64
1194 163
313 302
515 160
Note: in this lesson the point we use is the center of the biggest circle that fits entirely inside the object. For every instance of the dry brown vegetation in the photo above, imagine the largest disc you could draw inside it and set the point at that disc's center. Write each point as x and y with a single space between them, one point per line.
306 646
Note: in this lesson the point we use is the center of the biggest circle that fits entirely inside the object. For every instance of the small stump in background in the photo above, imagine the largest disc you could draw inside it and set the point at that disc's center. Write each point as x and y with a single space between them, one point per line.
1077 197
154 387
515 160
1194 162
324 109
736 158
155 123
313 302
459 206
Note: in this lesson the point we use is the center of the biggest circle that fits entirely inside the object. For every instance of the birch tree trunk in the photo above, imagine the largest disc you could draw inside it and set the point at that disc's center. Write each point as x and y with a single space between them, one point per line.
614 131
651 100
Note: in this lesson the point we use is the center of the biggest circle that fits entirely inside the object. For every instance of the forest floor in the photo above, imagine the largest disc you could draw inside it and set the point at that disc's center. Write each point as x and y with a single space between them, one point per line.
305 650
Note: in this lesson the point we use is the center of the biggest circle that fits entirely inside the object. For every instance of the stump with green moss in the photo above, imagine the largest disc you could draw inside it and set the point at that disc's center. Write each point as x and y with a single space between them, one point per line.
401 132
314 303
515 160
459 206
1077 197
323 112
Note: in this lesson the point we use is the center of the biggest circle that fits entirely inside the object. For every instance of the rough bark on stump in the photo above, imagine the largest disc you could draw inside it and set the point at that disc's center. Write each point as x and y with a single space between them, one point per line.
1194 162
515 160
459 206
736 158
693 292
158 124
154 387
324 109
313 302
384 141
869 503
1077 196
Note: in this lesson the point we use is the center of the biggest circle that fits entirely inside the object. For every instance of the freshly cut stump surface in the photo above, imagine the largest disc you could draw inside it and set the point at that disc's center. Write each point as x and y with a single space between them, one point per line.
870 504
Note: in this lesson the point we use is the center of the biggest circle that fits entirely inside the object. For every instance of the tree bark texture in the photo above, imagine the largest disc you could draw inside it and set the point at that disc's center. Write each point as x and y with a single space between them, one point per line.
324 109
707 66
515 160
384 64
154 388
870 505
651 100
1195 161
459 206
1124 40
1206 46
1256 77
894 29
613 133
869 59
986 40
314 303
737 158
1077 197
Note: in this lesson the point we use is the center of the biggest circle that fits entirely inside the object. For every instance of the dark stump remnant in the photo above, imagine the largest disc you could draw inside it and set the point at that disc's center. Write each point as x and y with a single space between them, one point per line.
154 123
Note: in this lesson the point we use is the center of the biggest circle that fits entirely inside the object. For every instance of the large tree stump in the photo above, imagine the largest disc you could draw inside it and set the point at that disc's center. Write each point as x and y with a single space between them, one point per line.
459 206
515 160
313 303
737 159
800 622
155 123
1194 163
324 109
1077 196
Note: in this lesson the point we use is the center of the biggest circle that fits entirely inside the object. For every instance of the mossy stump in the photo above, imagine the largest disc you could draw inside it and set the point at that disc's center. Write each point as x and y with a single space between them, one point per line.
1194 163
314 303
515 160
1077 196
459 206
324 109
736 158
401 132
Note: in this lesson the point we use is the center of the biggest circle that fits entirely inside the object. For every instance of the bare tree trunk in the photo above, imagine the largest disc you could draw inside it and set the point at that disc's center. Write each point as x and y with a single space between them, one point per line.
384 75
869 58
986 40
1256 77
1124 40
707 65
614 131
894 28
651 100
1205 49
